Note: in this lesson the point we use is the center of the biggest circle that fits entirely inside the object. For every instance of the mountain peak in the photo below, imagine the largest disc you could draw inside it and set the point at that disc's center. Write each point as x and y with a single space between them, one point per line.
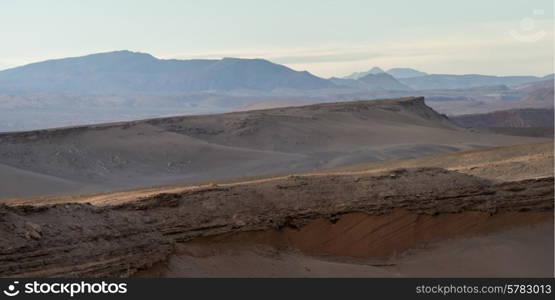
382 81
405 73
376 70
395 72
375 75
121 54
358 75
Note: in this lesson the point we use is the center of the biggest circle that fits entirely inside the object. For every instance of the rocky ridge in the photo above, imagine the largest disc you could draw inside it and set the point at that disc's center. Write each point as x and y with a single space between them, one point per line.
117 240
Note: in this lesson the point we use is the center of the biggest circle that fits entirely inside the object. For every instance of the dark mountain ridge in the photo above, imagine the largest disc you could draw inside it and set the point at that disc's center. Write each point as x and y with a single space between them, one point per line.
125 71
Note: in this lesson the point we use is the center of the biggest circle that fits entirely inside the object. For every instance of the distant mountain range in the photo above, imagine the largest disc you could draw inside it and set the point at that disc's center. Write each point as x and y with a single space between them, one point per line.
125 85
401 73
395 72
373 82
125 72
418 80
444 81
357 75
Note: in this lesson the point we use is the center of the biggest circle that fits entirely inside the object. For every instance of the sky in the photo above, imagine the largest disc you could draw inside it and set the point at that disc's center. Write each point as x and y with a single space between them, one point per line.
325 37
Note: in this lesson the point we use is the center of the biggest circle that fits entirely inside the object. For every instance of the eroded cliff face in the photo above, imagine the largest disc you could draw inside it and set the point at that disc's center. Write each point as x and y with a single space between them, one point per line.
75 240
83 240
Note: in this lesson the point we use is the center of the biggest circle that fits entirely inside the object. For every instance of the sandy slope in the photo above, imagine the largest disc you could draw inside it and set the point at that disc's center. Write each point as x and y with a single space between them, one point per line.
497 163
239 144
508 163
14 180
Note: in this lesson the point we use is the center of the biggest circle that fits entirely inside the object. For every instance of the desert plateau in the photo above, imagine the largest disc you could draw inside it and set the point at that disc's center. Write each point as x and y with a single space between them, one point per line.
380 188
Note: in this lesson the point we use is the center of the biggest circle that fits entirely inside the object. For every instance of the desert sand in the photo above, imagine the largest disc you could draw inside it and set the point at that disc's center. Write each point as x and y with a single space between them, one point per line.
484 211
99 158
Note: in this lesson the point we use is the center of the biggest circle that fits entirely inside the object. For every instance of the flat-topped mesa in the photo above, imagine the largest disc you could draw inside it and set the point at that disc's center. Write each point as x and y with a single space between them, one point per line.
404 111
415 104
182 149
393 104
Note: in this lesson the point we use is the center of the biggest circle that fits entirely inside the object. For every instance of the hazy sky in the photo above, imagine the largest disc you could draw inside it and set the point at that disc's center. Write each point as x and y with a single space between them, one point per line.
327 38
